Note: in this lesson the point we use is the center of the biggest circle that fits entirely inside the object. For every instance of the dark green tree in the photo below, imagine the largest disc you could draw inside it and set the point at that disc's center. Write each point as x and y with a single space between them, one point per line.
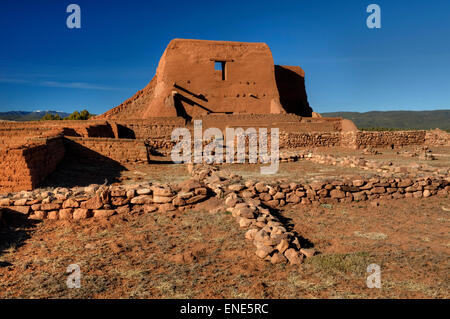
51 117
83 115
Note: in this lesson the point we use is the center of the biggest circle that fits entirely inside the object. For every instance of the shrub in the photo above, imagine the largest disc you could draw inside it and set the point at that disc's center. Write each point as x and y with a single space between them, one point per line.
51 117
83 115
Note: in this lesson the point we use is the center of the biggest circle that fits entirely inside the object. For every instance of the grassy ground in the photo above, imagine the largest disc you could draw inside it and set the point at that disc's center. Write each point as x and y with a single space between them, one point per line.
136 256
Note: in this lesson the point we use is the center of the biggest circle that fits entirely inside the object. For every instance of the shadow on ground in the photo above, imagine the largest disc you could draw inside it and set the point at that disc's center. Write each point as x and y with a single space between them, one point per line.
15 229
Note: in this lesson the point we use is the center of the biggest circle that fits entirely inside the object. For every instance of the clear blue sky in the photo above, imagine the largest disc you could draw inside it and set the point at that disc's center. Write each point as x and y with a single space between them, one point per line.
404 65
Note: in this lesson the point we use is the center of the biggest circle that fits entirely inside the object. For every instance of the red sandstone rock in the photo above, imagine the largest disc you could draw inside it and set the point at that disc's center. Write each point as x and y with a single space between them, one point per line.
93 203
20 202
308 252
195 199
143 191
123 209
162 199
177 201
119 193
142 199
201 191
50 206
119 201
282 246
335 193
161 192
378 190
278 258
103 213
149 208
81 213
294 257
292 198
189 185
65 213
405 183
250 234
263 251
167 207
40 215
54 215
70 203
5 202
20 209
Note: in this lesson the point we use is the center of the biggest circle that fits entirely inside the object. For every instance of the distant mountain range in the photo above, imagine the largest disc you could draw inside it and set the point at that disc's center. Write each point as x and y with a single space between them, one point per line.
375 119
397 119
28 116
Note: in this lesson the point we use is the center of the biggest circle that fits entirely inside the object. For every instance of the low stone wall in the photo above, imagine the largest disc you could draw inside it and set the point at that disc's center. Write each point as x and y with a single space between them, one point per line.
23 168
437 137
386 167
387 138
352 139
315 139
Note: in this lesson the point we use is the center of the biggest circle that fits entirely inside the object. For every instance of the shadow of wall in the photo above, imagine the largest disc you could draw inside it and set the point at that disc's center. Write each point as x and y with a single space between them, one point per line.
125 132
82 167
291 87
15 229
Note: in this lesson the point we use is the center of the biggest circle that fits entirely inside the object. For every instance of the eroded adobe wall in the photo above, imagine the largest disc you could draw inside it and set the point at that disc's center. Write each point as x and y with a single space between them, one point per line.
187 84
24 167
106 149
248 85
149 128
19 133
290 82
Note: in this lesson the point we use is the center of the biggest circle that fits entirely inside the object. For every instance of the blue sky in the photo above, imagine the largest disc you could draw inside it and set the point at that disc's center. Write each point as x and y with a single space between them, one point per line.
405 65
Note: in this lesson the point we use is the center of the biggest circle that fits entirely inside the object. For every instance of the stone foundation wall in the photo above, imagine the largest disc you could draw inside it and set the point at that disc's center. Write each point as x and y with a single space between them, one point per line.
437 138
315 139
103 201
386 138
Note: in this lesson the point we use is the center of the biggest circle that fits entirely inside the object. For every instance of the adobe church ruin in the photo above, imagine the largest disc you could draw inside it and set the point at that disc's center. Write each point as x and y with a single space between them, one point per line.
197 77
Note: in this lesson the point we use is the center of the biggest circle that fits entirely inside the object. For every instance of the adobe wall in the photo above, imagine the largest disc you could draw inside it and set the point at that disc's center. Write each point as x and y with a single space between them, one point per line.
248 87
187 84
119 150
290 82
20 132
161 128
156 128
23 168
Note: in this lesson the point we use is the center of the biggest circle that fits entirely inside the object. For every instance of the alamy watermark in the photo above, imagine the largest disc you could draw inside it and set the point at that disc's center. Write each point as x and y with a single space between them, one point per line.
74 278
374 19
213 151
73 21
374 279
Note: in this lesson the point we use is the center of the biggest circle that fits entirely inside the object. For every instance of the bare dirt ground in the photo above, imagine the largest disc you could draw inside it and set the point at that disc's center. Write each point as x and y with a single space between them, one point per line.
138 256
